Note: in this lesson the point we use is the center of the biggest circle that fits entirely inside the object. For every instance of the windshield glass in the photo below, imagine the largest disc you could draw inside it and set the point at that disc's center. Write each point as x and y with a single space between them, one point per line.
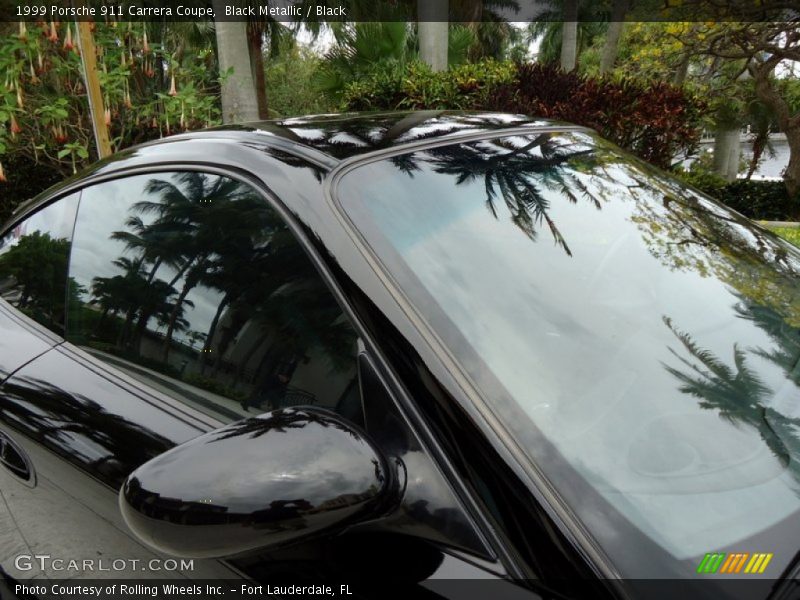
605 311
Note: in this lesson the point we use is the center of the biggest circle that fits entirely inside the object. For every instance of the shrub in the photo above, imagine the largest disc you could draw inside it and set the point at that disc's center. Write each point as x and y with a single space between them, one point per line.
290 87
25 180
656 121
151 87
790 234
704 179
414 86
765 200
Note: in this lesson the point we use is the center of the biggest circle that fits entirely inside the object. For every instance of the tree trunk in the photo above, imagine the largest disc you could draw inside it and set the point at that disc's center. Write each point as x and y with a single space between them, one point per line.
682 71
210 334
432 30
726 147
138 331
791 176
759 145
735 153
789 124
192 278
123 334
239 101
609 56
569 35
155 268
255 40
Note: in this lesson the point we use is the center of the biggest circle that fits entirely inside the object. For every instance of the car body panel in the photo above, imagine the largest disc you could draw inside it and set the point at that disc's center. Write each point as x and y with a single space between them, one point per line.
21 340
292 161
293 174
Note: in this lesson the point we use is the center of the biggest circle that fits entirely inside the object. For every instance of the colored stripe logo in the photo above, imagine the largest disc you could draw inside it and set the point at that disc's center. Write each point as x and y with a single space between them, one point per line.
734 562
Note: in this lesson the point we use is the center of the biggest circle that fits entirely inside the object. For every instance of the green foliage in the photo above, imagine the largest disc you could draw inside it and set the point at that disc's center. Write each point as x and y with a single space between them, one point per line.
790 89
360 48
549 34
415 86
703 179
290 84
25 179
214 386
38 263
152 85
790 234
767 200
656 121
460 40
760 200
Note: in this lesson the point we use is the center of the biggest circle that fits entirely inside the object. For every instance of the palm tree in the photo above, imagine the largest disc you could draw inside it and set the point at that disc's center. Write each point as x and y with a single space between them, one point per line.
358 48
786 352
239 101
512 171
214 215
565 32
492 33
432 30
738 394
569 35
614 32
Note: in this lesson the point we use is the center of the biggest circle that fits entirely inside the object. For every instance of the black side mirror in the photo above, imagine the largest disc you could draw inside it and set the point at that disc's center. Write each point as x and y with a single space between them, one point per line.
260 483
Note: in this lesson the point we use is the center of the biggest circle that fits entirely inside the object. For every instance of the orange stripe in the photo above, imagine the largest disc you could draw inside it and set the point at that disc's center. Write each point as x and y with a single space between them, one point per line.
728 562
741 562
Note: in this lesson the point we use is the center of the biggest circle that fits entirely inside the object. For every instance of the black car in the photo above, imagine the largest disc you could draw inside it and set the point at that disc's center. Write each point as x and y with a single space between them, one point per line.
398 352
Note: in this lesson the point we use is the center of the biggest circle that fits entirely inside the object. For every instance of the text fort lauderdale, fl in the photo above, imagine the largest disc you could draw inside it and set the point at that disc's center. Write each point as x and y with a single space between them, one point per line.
206 590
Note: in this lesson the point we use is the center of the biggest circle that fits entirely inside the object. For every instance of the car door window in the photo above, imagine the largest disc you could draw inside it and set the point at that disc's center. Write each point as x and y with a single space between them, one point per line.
192 283
33 263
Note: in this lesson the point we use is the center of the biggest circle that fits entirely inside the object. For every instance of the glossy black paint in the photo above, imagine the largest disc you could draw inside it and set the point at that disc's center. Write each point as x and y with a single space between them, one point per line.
21 340
429 509
289 161
15 459
258 483
92 421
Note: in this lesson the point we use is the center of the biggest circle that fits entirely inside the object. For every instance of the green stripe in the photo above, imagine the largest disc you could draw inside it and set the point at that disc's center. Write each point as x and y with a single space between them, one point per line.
716 564
711 562
701 568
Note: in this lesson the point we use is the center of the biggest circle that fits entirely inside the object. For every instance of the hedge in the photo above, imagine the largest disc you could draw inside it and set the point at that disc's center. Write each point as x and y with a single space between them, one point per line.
763 200
656 121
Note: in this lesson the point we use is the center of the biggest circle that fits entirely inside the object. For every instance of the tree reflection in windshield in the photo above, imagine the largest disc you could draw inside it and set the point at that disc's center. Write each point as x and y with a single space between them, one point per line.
738 395
566 343
210 288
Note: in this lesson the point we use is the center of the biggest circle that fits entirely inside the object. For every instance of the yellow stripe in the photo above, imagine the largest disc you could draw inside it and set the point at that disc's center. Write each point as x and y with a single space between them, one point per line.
757 566
756 558
765 563
741 562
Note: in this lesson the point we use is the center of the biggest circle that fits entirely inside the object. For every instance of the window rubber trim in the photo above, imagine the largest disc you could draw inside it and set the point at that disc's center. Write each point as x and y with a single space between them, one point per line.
558 510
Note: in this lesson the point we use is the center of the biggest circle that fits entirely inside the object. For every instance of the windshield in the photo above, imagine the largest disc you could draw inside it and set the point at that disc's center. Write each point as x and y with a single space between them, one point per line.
605 311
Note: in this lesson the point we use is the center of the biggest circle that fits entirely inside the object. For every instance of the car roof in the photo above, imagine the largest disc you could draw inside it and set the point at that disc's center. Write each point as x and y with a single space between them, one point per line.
329 139
349 135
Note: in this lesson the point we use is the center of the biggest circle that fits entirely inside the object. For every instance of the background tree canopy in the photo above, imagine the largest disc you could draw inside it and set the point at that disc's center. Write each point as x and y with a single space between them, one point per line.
651 87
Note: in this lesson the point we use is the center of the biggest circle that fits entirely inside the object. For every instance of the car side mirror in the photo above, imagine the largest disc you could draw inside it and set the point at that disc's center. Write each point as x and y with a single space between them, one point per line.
256 484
